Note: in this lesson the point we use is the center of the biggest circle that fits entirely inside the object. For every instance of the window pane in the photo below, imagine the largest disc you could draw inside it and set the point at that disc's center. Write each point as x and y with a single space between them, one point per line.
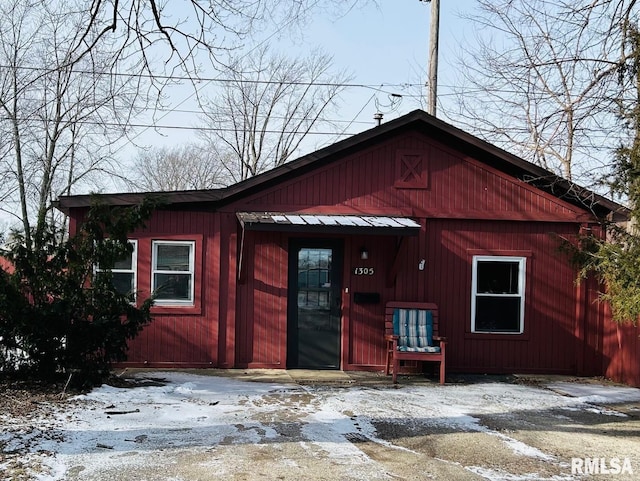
302 279
123 282
324 278
171 257
498 277
313 268
314 258
125 262
497 314
313 279
325 258
173 286
323 299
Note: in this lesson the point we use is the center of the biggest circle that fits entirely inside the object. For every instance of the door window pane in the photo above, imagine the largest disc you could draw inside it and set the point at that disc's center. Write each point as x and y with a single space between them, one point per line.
314 267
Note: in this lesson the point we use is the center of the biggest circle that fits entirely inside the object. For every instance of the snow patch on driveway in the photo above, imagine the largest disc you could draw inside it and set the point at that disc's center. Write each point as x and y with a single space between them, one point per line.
223 422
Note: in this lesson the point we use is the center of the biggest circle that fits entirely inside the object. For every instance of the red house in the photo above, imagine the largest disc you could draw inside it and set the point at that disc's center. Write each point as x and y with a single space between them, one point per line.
293 268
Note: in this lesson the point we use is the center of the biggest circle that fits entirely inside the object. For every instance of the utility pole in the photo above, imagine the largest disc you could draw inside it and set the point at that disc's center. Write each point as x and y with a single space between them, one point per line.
434 36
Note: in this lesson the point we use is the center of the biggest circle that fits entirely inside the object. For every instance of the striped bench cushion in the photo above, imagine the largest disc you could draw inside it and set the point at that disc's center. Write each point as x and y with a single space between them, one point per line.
414 327
419 349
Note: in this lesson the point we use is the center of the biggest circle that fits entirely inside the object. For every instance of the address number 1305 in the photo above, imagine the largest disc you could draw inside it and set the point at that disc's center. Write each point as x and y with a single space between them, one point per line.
363 271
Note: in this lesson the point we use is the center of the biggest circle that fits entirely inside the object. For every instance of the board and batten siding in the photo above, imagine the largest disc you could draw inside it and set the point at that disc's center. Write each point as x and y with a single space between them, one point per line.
181 336
262 302
466 208
548 343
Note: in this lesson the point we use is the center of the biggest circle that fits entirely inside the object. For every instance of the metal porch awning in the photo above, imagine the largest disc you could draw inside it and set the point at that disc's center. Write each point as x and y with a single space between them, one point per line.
328 223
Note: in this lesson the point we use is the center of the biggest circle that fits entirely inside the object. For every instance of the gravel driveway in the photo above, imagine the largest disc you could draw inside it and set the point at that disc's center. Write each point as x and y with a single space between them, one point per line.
278 425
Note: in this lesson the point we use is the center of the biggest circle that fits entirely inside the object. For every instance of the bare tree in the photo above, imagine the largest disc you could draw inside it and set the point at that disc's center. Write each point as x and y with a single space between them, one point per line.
267 108
542 80
73 75
186 167
180 31
171 41
58 119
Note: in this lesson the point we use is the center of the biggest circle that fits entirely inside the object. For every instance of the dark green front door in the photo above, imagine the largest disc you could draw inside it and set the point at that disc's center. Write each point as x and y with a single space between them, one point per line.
315 272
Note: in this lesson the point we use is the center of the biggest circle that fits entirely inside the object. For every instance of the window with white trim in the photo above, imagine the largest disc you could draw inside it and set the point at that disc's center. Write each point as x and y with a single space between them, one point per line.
172 272
497 298
124 272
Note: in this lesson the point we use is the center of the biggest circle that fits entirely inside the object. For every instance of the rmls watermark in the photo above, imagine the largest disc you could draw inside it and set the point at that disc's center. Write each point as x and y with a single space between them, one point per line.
601 466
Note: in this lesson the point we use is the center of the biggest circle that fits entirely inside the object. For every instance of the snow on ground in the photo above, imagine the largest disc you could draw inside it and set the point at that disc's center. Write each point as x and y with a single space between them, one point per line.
597 393
118 428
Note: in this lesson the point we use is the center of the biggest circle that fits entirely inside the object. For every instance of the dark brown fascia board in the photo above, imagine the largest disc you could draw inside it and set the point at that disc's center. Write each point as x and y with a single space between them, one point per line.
492 155
320 157
418 119
530 173
245 187
173 198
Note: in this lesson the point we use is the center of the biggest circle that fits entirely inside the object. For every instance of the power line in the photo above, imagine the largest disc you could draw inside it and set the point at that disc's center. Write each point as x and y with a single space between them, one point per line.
356 116
277 117
377 87
182 127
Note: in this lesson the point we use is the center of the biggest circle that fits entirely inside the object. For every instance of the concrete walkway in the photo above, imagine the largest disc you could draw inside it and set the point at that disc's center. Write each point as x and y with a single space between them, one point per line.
365 378
286 376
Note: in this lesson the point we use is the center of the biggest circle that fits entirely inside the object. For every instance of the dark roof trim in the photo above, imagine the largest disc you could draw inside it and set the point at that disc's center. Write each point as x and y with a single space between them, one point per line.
419 120
173 198
328 223
492 155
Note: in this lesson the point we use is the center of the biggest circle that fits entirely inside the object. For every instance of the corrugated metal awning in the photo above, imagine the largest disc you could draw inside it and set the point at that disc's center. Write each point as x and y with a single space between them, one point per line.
329 223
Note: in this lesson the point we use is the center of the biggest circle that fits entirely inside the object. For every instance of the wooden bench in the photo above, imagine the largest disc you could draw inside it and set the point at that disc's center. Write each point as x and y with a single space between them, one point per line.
411 334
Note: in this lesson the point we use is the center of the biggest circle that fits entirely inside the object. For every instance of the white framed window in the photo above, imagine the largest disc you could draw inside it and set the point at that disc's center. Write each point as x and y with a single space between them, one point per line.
124 272
497 294
172 272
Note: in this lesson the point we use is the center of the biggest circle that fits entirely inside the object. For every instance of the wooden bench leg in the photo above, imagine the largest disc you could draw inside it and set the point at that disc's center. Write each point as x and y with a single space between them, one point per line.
396 367
442 372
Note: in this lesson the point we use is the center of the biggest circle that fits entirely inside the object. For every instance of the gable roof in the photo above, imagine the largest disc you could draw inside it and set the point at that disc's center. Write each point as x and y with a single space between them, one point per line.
417 120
